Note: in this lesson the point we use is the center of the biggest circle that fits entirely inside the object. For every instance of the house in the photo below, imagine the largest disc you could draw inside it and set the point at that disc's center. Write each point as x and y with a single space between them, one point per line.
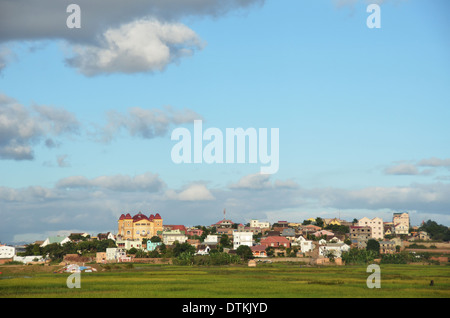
254 230
242 238
7 253
170 237
129 244
376 224
114 254
261 225
56 239
335 248
304 244
359 235
181 228
401 229
310 228
223 224
259 251
288 233
387 247
275 241
203 250
401 223
211 240
329 235
225 231
106 236
194 232
151 246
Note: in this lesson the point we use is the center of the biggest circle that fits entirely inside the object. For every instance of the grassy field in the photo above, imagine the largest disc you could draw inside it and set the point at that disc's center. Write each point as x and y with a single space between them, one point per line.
264 281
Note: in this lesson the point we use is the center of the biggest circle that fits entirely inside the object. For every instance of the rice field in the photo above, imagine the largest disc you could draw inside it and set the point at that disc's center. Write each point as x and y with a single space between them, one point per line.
263 281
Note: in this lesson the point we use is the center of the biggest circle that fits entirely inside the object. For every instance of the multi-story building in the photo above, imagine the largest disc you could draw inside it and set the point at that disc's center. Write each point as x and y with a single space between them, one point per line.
359 235
172 236
242 238
262 225
139 226
387 247
401 223
376 224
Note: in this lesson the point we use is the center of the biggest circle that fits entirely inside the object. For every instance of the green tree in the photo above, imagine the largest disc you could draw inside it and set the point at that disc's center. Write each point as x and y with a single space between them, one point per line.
225 241
373 245
155 239
319 222
244 252
132 251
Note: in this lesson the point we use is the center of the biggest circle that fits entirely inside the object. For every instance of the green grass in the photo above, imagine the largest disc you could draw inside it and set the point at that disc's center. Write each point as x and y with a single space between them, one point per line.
264 281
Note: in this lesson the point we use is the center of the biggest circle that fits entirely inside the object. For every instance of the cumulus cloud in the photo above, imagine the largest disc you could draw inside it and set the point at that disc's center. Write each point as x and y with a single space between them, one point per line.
148 182
145 123
94 204
139 46
21 127
115 36
435 162
193 192
433 197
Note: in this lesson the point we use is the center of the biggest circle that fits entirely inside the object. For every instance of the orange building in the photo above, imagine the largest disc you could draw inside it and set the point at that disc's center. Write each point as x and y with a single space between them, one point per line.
139 226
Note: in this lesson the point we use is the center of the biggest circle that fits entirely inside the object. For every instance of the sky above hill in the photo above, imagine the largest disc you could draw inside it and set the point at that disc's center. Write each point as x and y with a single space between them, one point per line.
86 114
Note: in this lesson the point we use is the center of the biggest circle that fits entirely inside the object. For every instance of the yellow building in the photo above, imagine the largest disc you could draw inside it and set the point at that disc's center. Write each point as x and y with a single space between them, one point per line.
139 226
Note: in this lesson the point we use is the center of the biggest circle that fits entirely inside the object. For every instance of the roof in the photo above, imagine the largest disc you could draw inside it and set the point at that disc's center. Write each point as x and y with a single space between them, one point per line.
139 217
279 239
56 239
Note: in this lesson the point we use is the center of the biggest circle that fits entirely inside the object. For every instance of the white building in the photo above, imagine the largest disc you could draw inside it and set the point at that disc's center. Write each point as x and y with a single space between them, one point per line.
242 238
304 244
211 240
376 224
129 244
335 248
7 251
170 237
401 223
29 259
262 225
114 254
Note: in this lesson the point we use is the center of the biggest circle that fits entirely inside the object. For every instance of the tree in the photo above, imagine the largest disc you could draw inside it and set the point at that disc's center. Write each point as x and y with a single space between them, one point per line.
270 251
183 248
225 241
132 251
155 239
245 252
437 232
319 222
373 245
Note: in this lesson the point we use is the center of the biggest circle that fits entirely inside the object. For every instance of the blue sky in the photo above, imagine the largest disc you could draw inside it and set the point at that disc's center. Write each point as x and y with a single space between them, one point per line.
363 117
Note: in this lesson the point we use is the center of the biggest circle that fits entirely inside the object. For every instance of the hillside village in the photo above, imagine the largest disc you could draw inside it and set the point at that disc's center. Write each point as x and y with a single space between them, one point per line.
315 241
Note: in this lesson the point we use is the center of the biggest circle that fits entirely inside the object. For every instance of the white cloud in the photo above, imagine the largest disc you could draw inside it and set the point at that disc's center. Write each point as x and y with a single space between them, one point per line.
145 123
139 46
144 182
193 192
21 128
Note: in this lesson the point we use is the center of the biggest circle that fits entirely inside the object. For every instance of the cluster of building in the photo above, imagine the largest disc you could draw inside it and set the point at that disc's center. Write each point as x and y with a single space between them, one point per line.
282 238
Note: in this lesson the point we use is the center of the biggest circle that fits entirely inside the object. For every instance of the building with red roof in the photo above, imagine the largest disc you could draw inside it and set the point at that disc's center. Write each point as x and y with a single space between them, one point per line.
139 226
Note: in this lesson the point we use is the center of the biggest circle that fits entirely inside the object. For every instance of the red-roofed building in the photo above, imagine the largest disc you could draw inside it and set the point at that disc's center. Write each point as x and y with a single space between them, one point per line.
275 241
139 226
